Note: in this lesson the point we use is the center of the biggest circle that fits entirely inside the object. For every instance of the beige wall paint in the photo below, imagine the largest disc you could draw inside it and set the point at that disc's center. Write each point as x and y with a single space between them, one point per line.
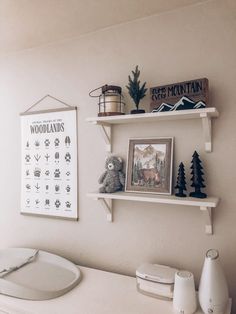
189 43
26 23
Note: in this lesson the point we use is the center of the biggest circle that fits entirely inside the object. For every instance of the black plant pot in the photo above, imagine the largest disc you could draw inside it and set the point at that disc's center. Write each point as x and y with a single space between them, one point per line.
198 194
180 194
135 111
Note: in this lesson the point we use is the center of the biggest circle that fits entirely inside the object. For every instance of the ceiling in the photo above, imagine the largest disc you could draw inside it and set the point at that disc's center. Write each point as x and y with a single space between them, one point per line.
29 23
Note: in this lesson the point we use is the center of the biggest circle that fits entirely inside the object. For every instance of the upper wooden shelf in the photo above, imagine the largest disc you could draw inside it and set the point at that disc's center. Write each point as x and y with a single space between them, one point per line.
205 115
152 117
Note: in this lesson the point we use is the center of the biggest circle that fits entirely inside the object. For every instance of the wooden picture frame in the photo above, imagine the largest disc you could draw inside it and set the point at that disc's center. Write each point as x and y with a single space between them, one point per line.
149 165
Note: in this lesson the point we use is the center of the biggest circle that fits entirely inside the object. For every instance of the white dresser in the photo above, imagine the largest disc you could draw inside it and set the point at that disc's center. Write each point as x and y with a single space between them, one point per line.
99 292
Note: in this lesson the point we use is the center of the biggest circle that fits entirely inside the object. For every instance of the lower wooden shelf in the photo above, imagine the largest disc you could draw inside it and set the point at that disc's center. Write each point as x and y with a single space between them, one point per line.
205 205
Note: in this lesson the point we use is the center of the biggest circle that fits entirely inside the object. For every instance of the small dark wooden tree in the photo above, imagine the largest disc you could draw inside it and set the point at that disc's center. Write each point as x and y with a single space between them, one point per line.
181 183
197 177
136 91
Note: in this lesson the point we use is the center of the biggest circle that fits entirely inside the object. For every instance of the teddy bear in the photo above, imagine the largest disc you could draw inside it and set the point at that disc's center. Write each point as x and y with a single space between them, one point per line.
113 179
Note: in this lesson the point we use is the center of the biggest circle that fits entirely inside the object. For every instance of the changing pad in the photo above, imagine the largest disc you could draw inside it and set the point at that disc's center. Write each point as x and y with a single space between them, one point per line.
35 274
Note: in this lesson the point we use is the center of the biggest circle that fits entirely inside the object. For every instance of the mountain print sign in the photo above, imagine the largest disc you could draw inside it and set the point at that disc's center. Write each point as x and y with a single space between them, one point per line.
183 104
180 96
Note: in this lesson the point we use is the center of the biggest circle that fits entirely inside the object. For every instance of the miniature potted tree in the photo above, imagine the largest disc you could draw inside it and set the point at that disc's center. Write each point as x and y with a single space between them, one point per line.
135 91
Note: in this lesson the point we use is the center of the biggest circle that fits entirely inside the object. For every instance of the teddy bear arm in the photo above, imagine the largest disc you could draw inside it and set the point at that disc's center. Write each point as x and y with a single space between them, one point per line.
102 177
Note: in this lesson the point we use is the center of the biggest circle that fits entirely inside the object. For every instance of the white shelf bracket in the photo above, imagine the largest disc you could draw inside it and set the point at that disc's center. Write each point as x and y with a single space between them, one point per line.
106 134
107 205
206 125
208 219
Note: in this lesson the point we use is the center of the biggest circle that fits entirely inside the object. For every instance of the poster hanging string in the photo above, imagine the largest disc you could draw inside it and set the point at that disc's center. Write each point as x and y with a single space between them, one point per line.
40 100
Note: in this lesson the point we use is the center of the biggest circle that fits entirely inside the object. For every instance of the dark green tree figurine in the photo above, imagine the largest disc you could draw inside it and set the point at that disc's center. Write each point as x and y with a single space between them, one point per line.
135 91
181 183
197 179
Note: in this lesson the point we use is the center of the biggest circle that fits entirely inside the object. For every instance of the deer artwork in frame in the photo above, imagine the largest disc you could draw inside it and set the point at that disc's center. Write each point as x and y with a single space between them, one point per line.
149 167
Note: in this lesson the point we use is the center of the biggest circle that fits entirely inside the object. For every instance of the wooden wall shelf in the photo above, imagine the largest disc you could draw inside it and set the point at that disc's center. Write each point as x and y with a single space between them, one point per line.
205 205
106 123
205 115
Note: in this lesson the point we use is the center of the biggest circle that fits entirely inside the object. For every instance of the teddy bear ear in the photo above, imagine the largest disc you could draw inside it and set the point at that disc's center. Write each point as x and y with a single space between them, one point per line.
120 159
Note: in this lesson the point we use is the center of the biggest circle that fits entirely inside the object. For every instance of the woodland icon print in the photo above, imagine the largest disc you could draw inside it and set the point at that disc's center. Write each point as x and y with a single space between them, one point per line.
49 177
150 165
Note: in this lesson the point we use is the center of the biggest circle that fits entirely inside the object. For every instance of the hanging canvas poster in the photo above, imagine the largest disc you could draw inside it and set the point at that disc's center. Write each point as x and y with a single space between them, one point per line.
49 163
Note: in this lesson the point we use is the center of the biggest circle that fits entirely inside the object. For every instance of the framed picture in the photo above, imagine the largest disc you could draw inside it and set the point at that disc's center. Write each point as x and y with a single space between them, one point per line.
149 166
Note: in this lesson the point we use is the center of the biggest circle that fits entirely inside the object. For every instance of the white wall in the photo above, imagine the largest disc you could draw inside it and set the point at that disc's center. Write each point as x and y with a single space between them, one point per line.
194 42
